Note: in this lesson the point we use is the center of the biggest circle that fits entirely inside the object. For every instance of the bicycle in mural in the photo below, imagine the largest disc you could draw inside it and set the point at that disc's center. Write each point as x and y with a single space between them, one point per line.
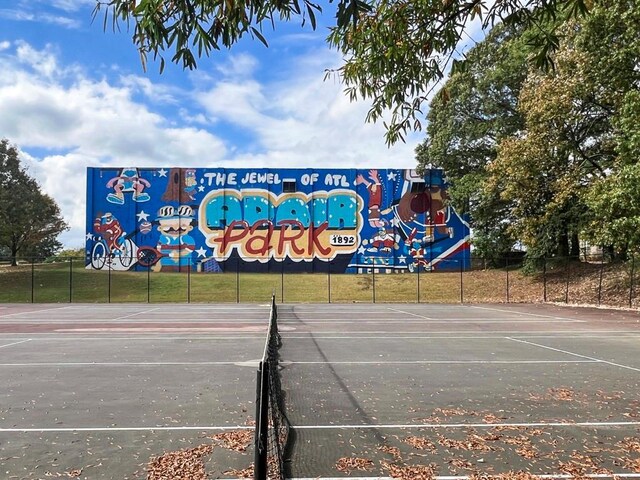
114 248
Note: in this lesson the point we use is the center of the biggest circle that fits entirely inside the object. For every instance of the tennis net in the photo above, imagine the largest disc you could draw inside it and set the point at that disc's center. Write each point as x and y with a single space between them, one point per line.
272 426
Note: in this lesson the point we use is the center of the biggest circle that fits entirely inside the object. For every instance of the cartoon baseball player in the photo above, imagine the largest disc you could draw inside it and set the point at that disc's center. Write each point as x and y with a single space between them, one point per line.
175 244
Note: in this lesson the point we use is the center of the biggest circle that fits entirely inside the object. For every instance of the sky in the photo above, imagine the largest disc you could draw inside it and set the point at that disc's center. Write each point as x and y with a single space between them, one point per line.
73 95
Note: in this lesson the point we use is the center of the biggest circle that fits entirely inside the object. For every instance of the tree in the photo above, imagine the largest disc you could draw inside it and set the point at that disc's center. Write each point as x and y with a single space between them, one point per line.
394 52
475 109
574 133
28 217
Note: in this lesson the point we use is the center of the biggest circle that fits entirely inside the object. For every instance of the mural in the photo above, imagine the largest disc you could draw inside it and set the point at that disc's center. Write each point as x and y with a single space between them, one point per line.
215 220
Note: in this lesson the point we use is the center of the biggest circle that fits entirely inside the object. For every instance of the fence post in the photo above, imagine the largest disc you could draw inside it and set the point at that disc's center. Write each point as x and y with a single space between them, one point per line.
633 267
238 280
33 275
506 262
373 272
600 280
566 290
70 279
109 282
149 284
418 272
189 280
461 283
282 279
544 278
329 281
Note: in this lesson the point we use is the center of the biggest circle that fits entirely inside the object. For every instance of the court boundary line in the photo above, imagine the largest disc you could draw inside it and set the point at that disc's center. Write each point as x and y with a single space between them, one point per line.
131 315
635 369
409 313
522 313
15 343
445 334
35 311
432 426
254 363
489 476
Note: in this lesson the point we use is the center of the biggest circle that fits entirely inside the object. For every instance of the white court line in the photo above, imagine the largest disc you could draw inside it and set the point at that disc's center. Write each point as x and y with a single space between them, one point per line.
325 427
409 313
254 363
388 321
130 315
466 425
576 354
33 311
529 314
489 476
15 343
125 429
60 338
240 363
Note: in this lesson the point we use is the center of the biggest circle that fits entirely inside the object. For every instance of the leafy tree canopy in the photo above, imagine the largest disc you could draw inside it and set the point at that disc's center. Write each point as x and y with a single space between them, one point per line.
394 52
30 220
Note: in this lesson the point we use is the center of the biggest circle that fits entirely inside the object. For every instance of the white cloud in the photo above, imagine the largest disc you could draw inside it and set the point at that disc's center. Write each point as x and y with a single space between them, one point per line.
43 61
4 45
28 15
75 121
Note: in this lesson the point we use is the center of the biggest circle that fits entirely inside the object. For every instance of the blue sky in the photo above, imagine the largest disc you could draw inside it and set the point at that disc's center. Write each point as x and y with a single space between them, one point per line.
73 95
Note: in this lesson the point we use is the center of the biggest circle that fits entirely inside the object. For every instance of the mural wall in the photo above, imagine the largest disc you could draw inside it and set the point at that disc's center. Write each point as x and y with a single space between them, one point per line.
214 220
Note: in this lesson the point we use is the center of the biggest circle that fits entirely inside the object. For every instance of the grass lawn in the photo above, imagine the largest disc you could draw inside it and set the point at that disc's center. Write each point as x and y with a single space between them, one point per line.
72 282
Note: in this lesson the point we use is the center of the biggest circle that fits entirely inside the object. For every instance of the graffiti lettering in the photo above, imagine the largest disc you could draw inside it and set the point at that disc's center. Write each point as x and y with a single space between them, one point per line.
261 225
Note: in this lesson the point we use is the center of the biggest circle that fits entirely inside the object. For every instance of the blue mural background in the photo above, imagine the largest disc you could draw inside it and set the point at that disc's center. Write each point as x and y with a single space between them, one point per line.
213 220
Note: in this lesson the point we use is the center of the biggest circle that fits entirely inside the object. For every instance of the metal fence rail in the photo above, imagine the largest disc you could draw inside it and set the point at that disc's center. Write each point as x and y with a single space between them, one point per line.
557 279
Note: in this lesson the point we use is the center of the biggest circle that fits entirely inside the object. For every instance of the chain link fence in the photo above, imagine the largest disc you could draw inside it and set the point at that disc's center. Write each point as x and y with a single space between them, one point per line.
558 279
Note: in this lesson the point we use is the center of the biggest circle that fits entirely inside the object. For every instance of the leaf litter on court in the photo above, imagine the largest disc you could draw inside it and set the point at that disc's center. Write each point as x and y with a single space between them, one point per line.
481 452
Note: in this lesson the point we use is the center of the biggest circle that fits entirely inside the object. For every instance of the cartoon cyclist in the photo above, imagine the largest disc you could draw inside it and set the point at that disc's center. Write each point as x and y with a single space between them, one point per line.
109 228
129 180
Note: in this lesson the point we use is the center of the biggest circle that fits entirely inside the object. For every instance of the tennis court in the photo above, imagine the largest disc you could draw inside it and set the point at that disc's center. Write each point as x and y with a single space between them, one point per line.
371 391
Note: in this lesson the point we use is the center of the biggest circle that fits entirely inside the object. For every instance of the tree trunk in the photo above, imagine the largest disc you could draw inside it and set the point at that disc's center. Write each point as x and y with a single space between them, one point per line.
563 243
575 245
14 255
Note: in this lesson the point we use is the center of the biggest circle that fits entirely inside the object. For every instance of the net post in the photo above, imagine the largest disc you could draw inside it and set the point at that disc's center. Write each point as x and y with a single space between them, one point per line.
262 420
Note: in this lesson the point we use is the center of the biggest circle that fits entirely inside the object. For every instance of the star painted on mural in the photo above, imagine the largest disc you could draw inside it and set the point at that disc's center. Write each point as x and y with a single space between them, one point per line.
88 236
201 188
361 250
162 172
201 252
391 176
402 259
394 222
142 216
